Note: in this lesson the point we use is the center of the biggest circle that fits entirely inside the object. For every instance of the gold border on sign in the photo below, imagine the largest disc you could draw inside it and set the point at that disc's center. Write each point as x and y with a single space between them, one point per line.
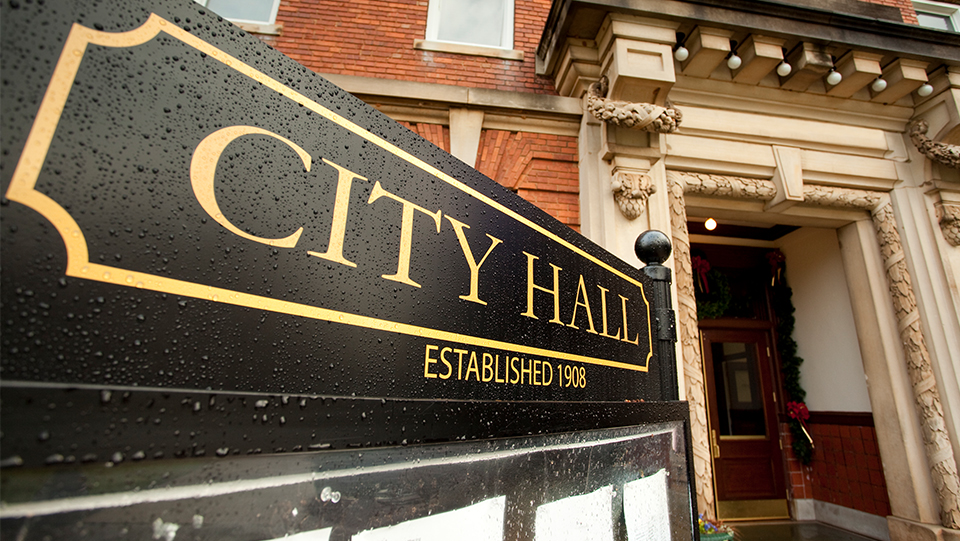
23 190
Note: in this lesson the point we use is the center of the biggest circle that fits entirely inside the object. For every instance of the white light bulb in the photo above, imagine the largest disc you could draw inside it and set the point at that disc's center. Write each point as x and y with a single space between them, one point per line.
925 90
878 85
710 224
734 62
834 78
784 69
681 54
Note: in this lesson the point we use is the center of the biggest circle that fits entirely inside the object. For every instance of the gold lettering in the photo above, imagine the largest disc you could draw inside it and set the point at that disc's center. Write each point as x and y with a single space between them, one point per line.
472 365
406 233
427 361
536 373
338 228
623 304
203 169
458 227
528 371
603 309
496 370
444 360
487 367
513 369
547 371
581 288
459 362
531 286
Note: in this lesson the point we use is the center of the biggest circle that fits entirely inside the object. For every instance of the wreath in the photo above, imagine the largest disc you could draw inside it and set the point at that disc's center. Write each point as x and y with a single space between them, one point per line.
711 289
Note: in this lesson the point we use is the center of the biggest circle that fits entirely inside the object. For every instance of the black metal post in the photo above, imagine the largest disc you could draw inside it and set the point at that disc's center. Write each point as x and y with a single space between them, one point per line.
653 248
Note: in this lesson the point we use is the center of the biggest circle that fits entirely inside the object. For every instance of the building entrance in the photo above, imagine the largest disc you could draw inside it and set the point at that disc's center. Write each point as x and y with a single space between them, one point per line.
741 375
745 442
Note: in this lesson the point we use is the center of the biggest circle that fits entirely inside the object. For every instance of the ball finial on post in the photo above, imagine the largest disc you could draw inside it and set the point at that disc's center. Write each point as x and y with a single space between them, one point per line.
653 247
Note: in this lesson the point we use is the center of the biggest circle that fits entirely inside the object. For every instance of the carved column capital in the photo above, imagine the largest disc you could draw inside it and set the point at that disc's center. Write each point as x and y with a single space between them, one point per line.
948 214
631 189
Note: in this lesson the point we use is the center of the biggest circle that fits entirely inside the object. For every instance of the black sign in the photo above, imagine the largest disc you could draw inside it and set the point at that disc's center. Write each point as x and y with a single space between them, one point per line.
238 303
187 208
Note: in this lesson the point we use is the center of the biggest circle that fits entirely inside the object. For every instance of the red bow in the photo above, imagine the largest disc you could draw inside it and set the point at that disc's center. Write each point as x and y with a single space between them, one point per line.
700 268
799 411
776 260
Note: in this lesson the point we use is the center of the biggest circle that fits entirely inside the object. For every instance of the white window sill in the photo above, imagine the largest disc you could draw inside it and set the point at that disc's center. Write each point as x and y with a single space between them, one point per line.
462 48
263 29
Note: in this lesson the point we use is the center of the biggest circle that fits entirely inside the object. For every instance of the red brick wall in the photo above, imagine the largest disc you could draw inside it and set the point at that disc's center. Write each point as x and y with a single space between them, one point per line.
435 133
541 168
845 470
800 476
375 38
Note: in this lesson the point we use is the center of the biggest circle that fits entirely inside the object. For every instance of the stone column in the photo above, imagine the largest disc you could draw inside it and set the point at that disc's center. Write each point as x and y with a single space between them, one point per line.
936 440
689 338
891 396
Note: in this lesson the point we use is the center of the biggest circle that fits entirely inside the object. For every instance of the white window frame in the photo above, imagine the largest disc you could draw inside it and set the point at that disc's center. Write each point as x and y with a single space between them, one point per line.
260 27
506 39
952 11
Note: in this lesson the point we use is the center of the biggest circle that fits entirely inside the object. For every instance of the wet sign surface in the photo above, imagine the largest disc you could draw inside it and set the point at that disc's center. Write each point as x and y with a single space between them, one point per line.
187 208
618 484
238 303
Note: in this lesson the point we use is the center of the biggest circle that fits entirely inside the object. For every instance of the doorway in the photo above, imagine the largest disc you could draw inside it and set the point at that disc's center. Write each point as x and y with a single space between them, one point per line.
742 410
742 383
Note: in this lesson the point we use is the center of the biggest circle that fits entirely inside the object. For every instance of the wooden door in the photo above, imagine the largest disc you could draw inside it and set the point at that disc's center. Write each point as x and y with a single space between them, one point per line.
748 461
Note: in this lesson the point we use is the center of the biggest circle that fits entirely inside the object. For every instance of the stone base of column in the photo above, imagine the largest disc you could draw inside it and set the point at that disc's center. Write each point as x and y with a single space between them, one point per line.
902 529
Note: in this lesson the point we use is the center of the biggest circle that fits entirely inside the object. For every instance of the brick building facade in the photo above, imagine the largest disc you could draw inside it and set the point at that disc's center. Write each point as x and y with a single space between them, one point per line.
821 148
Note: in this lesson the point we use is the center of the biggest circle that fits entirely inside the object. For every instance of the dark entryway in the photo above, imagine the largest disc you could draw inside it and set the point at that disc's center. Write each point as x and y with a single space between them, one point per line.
742 383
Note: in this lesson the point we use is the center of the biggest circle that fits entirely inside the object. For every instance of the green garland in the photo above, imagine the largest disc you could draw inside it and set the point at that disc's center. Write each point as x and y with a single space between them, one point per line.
716 303
789 361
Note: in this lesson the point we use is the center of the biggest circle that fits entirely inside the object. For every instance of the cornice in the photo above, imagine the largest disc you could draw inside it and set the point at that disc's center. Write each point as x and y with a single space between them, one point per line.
582 19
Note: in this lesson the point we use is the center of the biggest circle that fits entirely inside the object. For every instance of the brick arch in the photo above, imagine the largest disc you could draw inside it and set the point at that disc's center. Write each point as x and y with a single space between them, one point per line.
541 168
437 134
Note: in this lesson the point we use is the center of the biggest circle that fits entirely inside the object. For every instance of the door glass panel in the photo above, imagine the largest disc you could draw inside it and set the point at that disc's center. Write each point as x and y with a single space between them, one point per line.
739 393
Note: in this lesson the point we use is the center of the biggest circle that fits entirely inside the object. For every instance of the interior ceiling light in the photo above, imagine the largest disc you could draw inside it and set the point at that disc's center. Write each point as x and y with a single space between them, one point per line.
925 90
784 69
879 84
710 224
834 78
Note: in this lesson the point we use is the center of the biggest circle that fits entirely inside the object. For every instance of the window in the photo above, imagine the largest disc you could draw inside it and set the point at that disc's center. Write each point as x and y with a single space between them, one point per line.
251 15
484 23
937 15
